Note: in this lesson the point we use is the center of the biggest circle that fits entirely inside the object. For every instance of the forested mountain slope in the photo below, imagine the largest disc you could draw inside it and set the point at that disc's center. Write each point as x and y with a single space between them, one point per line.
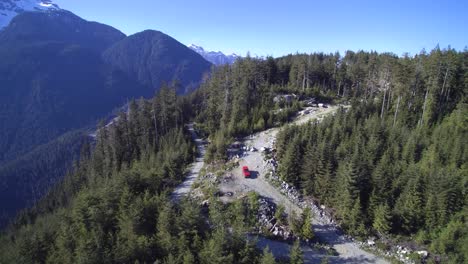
62 26
22 183
54 80
114 207
394 165
51 78
384 179
152 57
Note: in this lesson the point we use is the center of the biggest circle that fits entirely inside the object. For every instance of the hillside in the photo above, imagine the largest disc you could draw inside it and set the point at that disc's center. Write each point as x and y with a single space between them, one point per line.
153 57
393 167
62 26
390 168
25 180
51 79
54 80
342 140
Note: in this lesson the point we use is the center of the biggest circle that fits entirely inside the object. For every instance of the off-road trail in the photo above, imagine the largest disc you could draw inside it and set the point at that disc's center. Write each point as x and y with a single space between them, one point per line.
348 251
185 187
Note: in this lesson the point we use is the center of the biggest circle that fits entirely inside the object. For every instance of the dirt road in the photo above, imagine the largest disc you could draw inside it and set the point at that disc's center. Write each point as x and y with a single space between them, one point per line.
348 251
185 187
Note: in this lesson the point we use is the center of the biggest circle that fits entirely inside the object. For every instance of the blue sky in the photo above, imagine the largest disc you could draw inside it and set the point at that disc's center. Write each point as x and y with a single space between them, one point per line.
281 27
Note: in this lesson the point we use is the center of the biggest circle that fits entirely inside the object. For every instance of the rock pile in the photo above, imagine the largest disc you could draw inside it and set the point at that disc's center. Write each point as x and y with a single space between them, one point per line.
290 192
399 252
402 254
267 220
209 176
320 212
266 212
227 178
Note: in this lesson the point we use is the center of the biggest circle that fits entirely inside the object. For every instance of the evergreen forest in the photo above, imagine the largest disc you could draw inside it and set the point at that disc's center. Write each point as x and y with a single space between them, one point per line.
391 164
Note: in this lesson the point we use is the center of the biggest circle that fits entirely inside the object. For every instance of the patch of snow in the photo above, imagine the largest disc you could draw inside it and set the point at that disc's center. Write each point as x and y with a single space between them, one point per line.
10 9
45 4
215 57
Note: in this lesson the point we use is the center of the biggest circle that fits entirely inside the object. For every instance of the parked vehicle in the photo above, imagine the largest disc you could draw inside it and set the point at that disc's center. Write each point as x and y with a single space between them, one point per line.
246 172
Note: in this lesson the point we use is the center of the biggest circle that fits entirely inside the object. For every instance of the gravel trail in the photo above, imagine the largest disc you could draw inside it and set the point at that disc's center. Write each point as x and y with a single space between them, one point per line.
185 187
348 251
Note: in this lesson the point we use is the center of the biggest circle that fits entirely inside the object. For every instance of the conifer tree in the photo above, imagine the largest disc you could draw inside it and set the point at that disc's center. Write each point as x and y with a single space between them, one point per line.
165 230
290 167
307 231
355 219
382 219
409 205
296 256
188 258
309 170
267 257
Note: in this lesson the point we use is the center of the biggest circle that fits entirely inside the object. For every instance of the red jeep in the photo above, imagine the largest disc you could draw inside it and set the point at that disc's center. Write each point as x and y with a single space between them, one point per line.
246 172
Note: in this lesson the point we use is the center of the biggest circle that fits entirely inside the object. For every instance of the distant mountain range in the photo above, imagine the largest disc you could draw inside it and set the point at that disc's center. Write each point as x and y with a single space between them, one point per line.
60 74
217 58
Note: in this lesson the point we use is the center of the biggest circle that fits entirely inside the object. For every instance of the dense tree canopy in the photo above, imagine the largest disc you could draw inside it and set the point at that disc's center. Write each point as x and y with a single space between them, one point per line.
393 164
397 159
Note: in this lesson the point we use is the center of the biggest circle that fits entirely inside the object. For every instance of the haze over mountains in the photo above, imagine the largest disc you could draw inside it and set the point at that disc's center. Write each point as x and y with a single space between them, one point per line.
60 74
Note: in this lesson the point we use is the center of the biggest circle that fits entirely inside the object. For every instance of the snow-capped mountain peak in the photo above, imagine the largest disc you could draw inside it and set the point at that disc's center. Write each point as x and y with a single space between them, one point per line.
215 57
11 8
195 47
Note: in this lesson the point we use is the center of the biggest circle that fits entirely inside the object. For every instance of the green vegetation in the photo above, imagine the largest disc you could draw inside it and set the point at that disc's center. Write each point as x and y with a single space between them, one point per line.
307 231
114 207
394 164
268 257
21 182
152 57
59 75
239 99
43 94
296 254
114 204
